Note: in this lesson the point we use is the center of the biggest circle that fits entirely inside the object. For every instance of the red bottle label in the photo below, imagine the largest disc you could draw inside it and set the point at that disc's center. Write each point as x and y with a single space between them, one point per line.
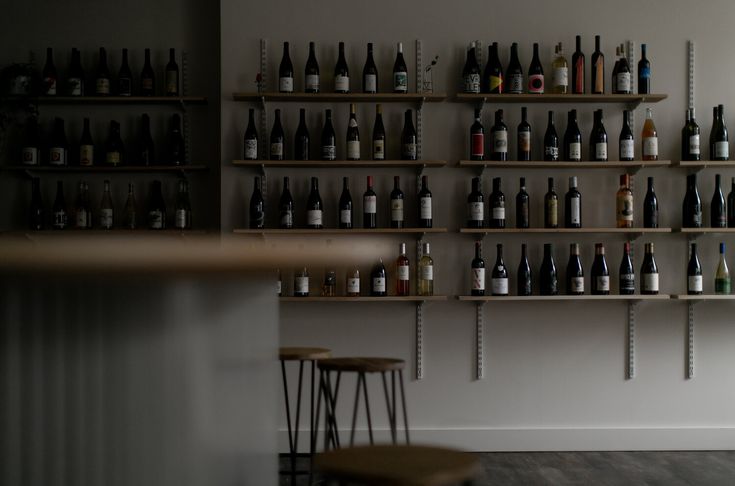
478 144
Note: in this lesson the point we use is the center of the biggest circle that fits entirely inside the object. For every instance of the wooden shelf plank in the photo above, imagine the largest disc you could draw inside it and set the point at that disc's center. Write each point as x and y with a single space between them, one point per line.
112 100
560 98
335 231
364 298
703 231
311 164
611 164
703 297
106 169
517 298
341 97
703 164
565 230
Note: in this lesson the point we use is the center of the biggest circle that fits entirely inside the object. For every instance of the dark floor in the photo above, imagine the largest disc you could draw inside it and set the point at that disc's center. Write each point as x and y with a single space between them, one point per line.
699 468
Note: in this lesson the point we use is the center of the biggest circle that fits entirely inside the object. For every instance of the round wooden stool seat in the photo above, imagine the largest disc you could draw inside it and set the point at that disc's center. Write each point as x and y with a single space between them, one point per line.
303 354
361 365
389 465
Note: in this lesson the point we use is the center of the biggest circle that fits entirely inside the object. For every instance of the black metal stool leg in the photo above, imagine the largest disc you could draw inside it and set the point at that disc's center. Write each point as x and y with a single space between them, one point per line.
354 411
315 436
367 408
403 401
294 452
387 404
288 408
335 430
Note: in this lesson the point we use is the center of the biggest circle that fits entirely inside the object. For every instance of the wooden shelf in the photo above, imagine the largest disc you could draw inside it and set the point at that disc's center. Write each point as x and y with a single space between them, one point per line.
704 164
565 230
341 97
705 231
311 164
610 164
336 231
517 298
110 100
703 297
560 98
106 169
364 298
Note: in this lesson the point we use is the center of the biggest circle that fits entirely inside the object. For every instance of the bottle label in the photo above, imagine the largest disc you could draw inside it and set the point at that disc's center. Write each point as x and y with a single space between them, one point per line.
312 82
57 156
650 282
623 82
645 73
697 217
499 286
379 149
477 145
86 155
155 219
403 272
49 85
627 282
560 77
287 219
516 83
576 284
285 85
625 207
75 86
341 83
400 81
552 213
251 149
694 283
409 150
426 272
301 285
276 149
106 218
478 279
370 83
82 217
601 151
279 287
524 142
30 156
477 211
500 141
124 86
370 204
536 83
499 212
472 83
722 286
353 285
102 86
603 283
378 284
650 147
314 217
551 152
396 209
722 150
576 211
329 152
353 149
575 151
172 82
496 84
627 149
180 218
345 216
694 144
425 208
60 219
112 158
146 84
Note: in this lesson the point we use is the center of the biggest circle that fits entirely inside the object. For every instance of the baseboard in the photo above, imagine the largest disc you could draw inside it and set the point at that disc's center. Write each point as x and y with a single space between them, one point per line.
550 439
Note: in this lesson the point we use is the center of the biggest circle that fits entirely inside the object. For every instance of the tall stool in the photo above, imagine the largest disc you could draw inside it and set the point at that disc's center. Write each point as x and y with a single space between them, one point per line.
300 355
361 366
388 465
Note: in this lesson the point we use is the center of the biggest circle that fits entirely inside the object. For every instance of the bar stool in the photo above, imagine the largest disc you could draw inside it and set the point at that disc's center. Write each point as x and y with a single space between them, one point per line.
390 465
300 355
361 366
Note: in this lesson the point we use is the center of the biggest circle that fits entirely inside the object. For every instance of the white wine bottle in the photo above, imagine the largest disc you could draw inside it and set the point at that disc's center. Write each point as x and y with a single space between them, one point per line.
722 277
426 273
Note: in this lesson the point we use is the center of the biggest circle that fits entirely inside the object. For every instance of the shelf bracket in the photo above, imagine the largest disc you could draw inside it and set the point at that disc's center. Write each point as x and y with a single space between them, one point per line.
419 340
262 88
479 341
419 117
690 77
630 372
690 339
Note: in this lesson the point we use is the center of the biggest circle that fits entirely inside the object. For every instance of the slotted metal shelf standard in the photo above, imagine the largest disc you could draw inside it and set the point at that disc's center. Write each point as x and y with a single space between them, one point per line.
341 97
315 164
560 98
542 164
365 298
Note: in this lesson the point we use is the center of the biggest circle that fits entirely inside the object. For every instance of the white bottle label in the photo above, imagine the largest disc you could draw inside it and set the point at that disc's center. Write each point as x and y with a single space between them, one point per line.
287 219
560 76
57 156
341 83
102 86
425 209
576 210
627 282
180 219
329 152
603 283
650 282
722 150
478 279
301 285
106 218
379 284
370 83
155 220
370 204
694 283
50 85
353 285
279 287
285 85
312 82
172 82
353 150
499 212
576 284
601 151
627 149
650 146
30 156
623 82
75 86
251 149
477 211
276 149
113 158
400 81
426 272
345 216
314 217
379 149
81 220
408 150
694 144
575 151
396 209
499 286
500 141
472 83
403 272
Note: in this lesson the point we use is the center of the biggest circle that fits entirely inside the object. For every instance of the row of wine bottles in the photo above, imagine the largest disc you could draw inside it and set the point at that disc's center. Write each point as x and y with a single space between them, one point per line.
57 149
695 285
570 147
548 280
327 150
102 82
722 211
315 207
82 215
312 76
378 284
719 146
511 80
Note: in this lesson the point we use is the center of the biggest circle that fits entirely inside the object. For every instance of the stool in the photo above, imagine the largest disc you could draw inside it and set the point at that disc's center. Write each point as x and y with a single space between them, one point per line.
387 465
361 366
300 355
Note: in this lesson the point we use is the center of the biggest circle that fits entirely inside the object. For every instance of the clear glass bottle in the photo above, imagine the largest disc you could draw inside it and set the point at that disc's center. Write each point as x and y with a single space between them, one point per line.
106 209
426 273
130 221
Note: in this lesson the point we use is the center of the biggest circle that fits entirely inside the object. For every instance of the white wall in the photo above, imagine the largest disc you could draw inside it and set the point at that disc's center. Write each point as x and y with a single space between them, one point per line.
554 375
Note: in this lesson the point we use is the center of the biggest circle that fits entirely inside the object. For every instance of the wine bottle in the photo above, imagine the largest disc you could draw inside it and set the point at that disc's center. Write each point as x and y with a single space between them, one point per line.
694 273
172 74
616 66
31 146
257 206
626 274
524 137
623 77
301 283
75 80
493 79
597 69
477 137
551 140
471 72
251 137
475 206
514 73
147 77
114 147
125 76
102 81
548 280
311 72
60 215
499 276
279 284
156 208
396 204
523 206
718 209
624 203
369 206
86 146
400 72
644 73
499 133
369 72
408 138
599 274
575 273
147 150
690 138
329 138
477 270
719 147
107 211
692 207
314 206
403 272
285 206
353 283
535 73
649 138
83 210
58 148
560 73
731 205
573 205
341 72
626 143
497 206
572 139
301 144
598 139
130 220
723 284
176 146
551 204
36 213
353 135
578 68
285 72
425 283
378 134
277 141
649 272
329 289
378 284
524 284
650 207
345 205
182 214
49 75
425 204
